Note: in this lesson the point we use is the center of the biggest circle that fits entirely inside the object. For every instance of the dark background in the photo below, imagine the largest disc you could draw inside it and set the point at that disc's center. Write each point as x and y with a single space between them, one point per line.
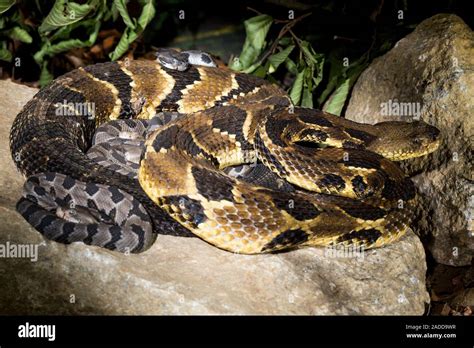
341 28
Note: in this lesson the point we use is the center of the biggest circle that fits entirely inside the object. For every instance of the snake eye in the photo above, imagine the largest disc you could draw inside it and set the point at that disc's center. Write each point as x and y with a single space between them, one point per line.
416 141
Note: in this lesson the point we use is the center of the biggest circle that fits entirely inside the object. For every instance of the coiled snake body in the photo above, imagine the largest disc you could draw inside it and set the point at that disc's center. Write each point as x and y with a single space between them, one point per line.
330 182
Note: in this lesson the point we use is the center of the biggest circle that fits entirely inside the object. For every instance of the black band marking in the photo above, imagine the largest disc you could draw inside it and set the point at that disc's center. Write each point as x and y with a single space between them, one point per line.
265 154
116 233
274 129
368 236
113 74
362 159
189 207
359 209
312 117
287 238
297 207
394 190
166 138
361 135
213 186
332 180
231 119
359 186
314 134
182 80
92 230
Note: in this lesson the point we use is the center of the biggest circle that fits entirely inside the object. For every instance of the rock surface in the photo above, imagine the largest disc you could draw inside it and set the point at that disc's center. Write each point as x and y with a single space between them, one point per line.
431 69
188 276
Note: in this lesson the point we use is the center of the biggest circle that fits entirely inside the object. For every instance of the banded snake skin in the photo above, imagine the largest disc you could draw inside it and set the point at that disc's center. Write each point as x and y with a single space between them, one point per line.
315 179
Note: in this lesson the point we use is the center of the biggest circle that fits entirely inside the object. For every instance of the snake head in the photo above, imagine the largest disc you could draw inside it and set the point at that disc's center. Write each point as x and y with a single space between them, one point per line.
399 141
172 59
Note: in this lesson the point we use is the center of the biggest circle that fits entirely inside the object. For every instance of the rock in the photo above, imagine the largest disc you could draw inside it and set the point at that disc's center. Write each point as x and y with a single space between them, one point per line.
188 276
431 71
13 97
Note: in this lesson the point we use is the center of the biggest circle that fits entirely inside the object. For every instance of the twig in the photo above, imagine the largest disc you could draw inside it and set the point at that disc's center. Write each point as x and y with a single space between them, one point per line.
343 38
282 32
254 10
297 39
275 20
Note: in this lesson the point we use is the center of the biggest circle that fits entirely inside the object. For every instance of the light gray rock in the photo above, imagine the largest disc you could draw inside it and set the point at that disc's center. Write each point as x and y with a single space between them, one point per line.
189 276
433 69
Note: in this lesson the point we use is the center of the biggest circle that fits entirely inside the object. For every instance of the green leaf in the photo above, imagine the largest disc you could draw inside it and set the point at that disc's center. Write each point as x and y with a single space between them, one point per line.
307 100
314 61
278 58
5 5
252 68
5 55
336 101
111 13
256 29
64 13
115 13
285 41
20 34
291 66
297 88
131 33
385 46
148 12
261 71
65 32
121 6
319 70
49 49
45 76
127 38
89 24
336 74
308 53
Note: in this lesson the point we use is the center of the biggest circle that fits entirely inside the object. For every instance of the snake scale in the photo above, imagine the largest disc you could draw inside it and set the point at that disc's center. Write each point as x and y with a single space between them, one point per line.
331 181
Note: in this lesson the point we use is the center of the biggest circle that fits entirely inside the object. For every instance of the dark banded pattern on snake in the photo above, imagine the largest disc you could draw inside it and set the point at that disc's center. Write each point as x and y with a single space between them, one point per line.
228 122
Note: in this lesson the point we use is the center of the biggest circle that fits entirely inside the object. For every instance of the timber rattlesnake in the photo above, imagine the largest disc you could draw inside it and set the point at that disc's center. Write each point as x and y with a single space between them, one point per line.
338 189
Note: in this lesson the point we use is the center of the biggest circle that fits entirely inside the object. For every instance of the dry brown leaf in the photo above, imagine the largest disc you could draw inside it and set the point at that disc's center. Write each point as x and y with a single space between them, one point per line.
108 43
446 310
